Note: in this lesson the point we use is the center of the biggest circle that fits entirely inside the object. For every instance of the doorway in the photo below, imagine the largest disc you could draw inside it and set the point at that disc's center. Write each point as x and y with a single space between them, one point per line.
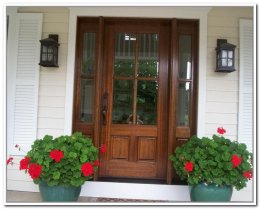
135 91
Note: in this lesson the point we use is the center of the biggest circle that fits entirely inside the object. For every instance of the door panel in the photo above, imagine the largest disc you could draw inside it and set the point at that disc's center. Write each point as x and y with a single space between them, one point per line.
136 82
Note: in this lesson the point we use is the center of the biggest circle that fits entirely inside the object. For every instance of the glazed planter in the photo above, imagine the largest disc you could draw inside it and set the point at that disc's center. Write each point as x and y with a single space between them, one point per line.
210 193
59 193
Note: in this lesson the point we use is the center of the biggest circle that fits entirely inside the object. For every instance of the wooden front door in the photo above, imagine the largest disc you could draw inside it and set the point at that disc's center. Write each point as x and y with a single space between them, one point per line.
134 126
136 91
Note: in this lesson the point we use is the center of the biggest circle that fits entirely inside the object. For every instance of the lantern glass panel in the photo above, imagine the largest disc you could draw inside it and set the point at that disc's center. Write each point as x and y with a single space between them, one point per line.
230 54
230 62
50 54
44 53
224 62
224 54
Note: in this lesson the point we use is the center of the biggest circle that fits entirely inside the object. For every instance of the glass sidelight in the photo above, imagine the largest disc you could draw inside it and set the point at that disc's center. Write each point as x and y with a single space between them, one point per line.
185 80
87 77
135 79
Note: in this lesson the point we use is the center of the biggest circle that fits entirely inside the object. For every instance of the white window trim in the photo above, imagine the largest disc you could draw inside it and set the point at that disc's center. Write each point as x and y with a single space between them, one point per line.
199 13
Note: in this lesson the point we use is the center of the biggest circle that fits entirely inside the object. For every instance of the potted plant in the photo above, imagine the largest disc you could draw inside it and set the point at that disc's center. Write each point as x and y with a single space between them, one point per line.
214 165
61 165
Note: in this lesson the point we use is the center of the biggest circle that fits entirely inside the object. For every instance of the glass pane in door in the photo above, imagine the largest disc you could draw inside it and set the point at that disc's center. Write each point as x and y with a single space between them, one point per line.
183 114
148 55
124 63
185 57
146 107
86 100
123 94
88 55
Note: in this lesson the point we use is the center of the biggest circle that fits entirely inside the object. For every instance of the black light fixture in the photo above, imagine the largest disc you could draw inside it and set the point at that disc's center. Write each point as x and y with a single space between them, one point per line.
225 56
49 51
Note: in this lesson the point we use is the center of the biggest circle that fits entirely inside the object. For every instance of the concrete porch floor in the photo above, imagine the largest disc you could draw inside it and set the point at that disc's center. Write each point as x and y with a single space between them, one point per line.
33 197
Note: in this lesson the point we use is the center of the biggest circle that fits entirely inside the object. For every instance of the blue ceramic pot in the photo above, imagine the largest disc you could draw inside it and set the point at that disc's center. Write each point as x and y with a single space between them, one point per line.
210 193
59 193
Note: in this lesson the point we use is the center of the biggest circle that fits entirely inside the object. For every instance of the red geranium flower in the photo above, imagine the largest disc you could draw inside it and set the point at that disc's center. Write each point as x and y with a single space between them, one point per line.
87 169
10 159
24 163
96 163
189 166
103 148
236 160
35 170
248 174
56 155
221 130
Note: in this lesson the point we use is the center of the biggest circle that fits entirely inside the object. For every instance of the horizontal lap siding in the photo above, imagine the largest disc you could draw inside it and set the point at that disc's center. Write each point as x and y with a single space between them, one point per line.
222 89
51 107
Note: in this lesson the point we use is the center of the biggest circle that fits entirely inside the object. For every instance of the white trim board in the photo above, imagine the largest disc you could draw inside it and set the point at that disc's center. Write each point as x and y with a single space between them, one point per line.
199 13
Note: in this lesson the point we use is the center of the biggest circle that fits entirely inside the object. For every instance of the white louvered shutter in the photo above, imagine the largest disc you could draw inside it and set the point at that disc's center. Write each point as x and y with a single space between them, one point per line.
25 75
245 123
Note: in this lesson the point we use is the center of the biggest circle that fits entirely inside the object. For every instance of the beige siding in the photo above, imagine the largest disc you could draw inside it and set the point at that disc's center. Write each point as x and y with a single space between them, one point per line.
52 80
222 88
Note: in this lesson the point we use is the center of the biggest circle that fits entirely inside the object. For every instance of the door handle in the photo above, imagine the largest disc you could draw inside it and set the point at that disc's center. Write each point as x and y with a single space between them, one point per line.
104 108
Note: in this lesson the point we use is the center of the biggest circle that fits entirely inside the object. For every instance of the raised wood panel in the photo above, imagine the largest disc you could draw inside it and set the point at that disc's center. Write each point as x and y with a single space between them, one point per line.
147 149
120 147
182 132
134 169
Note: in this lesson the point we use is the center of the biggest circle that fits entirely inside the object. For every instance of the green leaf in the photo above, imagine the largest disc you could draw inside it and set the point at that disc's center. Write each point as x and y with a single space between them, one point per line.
77 146
56 175
83 158
72 155
53 183
226 156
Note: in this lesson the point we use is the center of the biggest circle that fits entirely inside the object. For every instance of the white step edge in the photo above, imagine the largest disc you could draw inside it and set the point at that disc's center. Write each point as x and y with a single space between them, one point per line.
136 191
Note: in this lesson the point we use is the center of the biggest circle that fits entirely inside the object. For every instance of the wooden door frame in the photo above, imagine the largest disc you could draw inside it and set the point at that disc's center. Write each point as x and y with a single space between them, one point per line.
99 69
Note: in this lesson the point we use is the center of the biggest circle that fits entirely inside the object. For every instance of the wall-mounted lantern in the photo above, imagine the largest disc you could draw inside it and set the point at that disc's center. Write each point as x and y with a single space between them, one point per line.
225 56
49 51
